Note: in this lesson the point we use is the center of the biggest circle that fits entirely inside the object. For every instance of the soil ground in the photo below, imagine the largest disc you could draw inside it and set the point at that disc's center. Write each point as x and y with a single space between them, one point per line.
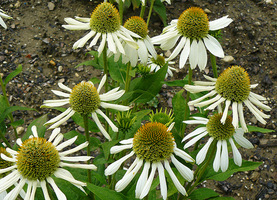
36 40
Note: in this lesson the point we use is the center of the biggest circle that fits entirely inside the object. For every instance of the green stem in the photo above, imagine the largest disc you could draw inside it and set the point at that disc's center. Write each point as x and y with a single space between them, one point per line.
121 11
187 111
105 65
8 104
127 81
85 118
213 61
150 11
142 11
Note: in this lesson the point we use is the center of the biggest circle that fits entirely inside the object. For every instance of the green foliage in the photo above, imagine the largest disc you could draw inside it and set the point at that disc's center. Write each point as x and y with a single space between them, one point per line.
202 194
13 74
259 129
160 9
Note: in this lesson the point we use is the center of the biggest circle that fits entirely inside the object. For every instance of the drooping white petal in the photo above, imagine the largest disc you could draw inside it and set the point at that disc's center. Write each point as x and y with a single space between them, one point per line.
224 158
210 94
225 113
34 188
176 182
142 179
75 149
183 155
235 121
184 170
257 96
58 139
60 93
184 54
55 103
59 117
128 177
29 189
213 46
44 190
75 158
112 168
54 133
83 19
241 117
193 56
256 114
202 60
150 47
203 152
170 43
194 133
81 42
114 106
100 126
60 195
220 23
95 39
34 131
142 52
217 159
178 48
258 103
216 104
9 180
64 87
197 89
236 153
102 44
118 43
102 82
14 192
208 102
149 181
4 170
80 166
112 96
242 141
117 149
66 143
111 43
195 139
63 174
114 128
163 185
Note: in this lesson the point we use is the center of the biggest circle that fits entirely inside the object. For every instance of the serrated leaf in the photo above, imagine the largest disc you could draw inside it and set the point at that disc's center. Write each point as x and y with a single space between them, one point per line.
13 74
202 194
105 193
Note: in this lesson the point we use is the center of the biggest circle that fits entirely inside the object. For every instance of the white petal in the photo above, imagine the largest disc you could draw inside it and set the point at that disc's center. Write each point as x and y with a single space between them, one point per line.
184 170
102 82
111 96
219 23
117 149
64 87
170 43
61 94
142 179
81 42
4 170
235 121
75 149
118 43
58 139
54 133
178 48
95 39
114 106
44 190
183 155
213 46
195 122
11 151
60 195
100 126
111 44
241 117
55 103
208 102
242 141
258 103
193 56
83 19
236 153
75 158
29 189
224 158
195 139
59 117
14 193
184 54
80 166
9 180
176 182
225 113
256 113
216 104
150 47
194 133
34 188
217 159
257 96
66 143
4 157
102 44
142 52
63 174
112 168
3 23
202 60
127 141
114 128
34 131
196 89
147 186
163 185
203 152
210 94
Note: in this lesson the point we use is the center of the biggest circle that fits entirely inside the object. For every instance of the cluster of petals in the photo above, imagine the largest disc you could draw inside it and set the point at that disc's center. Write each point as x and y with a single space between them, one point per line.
155 67
111 95
193 49
145 181
221 160
237 107
16 178
113 39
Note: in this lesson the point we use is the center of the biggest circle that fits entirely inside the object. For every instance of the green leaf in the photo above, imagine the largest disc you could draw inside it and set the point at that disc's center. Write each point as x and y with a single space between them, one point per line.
3 104
179 103
221 176
39 124
96 62
144 89
259 129
12 109
178 83
13 74
107 146
160 9
202 194
17 123
223 198
105 193
117 70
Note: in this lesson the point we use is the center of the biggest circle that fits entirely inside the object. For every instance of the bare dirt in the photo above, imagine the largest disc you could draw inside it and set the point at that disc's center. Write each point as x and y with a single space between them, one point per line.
36 39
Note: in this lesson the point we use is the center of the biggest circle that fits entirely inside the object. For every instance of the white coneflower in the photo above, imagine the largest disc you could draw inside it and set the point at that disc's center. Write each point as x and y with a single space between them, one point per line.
153 145
221 134
137 25
156 64
193 28
37 160
231 87
2 14
85 99
105 24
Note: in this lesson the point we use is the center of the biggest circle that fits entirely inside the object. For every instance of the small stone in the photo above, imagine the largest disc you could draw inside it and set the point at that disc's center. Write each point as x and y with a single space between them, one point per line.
51 6
206 10
60 68
254 120
228 59
61 80
257 23
77 75
255 176
20 130
17 4
81 129
167 53
52 62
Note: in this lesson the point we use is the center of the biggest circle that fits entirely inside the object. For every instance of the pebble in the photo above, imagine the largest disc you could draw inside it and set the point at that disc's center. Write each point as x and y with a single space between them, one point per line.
206 10
81 129
228 58
52 62
60 68
51 6
255 176
20 130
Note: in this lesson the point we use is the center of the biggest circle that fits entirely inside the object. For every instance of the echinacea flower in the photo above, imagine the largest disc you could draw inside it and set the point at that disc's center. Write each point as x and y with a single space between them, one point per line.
2 14
233 88
153 145
220 134
138 26
105 24
37 160
192 28
156 64
85 99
